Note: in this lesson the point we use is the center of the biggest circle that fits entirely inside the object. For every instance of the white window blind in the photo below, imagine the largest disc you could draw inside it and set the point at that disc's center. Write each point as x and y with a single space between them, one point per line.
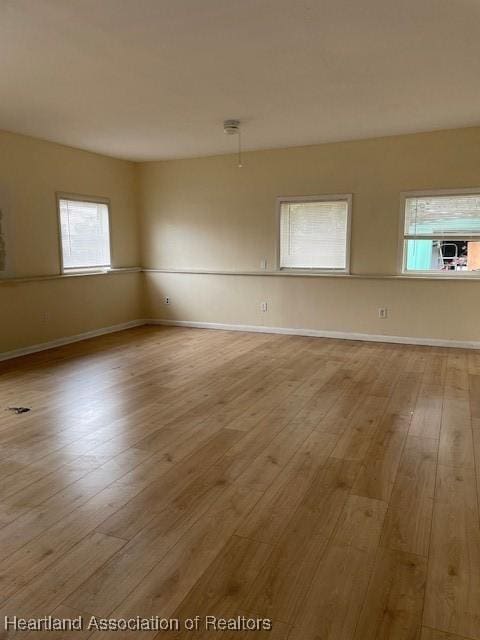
449 215
85 235
314 234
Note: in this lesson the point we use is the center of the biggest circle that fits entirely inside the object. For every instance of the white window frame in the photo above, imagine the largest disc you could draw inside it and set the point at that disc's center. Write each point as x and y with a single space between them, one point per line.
402 254
344 197
60 195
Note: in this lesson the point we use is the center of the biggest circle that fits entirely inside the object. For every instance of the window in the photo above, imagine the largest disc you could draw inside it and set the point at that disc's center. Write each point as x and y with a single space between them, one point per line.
84 233
441 233
314 233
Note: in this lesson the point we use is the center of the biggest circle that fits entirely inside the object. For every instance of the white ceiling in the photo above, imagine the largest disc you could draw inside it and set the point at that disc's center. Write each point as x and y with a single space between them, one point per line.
154 79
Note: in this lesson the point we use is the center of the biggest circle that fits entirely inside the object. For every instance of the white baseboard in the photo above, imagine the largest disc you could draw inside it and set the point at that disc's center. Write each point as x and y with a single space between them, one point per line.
8 355
315 333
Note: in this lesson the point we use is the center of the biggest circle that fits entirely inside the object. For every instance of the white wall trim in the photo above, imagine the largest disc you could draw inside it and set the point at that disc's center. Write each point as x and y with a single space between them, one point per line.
315 333
301 273
74 274
59 342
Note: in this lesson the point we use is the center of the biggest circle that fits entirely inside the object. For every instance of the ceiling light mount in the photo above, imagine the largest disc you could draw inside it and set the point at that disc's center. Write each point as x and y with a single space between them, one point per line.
232 128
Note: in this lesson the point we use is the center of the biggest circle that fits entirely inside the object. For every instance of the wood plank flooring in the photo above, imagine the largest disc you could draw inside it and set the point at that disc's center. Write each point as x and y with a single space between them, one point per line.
329 486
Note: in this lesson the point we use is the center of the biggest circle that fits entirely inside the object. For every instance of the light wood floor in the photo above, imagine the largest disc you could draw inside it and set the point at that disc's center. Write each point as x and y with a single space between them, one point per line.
328 485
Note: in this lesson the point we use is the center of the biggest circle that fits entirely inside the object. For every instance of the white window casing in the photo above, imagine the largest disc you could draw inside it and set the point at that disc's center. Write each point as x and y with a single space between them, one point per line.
314 232
84 227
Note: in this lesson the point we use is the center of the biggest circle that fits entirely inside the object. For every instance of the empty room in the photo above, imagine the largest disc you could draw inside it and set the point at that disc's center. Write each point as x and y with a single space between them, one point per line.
239 319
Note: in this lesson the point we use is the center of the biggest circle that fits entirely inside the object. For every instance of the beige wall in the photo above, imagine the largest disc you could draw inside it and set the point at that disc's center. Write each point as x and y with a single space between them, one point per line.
416 309
36 312
208 214
31 171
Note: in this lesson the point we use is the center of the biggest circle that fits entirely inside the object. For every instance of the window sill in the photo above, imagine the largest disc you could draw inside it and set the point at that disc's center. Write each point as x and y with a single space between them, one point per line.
86 270
61 276
308 274
454 275
308 271
274 274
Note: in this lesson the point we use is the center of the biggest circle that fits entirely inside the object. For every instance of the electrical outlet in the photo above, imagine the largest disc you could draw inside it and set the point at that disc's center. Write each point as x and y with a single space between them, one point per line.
264 306
167 300
382 312
45 316
263 264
